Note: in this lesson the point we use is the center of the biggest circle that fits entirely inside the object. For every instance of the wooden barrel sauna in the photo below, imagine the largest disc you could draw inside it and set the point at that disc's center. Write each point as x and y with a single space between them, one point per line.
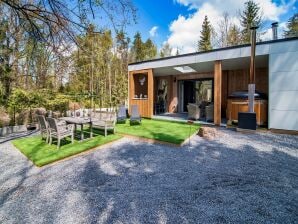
238 102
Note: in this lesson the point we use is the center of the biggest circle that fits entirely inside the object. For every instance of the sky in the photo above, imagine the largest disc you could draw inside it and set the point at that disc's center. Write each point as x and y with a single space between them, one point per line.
179 22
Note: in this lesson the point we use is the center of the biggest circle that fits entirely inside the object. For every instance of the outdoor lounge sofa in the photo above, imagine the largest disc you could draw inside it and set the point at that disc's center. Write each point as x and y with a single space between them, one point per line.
104 120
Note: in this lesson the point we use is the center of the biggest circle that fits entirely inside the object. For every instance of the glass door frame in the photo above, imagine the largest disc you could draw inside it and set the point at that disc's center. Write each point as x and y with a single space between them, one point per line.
181 92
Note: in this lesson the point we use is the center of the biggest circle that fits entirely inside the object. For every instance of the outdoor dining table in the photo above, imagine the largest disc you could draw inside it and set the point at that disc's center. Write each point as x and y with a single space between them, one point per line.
79 121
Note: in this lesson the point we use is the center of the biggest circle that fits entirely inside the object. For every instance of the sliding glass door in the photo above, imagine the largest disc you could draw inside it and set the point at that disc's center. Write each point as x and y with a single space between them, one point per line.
194 91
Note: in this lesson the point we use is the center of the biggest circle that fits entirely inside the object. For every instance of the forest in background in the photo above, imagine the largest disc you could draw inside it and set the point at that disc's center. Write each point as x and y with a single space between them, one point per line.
52 56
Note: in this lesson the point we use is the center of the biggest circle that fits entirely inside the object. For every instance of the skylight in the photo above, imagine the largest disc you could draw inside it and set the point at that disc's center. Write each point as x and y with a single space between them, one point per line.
184 69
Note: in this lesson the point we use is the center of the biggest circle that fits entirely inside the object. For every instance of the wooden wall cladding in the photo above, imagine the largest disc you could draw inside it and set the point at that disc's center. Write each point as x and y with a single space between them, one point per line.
217 92
194 76
239 80
235 80
145 104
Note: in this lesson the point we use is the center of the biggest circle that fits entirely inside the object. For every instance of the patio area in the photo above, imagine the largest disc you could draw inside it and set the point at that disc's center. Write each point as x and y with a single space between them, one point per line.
183 117
234 178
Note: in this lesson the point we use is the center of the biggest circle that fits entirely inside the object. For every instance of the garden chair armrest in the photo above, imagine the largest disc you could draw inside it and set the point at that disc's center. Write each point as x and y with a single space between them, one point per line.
70 127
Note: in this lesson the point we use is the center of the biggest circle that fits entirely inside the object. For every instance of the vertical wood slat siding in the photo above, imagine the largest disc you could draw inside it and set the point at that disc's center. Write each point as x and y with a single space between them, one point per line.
217 92
145 105
239 79
235 80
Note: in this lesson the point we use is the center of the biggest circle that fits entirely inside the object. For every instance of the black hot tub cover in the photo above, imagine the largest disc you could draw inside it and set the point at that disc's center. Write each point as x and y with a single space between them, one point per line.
243 94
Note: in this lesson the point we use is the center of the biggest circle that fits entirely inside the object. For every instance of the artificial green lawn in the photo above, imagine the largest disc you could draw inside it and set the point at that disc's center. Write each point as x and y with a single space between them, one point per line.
41 153
167 131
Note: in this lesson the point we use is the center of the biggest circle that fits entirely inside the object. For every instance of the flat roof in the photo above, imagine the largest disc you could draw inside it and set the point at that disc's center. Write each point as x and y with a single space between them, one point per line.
214 50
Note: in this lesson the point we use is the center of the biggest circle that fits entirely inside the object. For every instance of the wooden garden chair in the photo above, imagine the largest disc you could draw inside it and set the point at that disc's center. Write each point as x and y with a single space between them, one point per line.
43 127
60 131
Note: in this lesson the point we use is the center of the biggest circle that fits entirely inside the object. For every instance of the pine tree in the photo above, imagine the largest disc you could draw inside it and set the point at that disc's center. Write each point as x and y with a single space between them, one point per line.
251 16
150 49
119 68
204 43
292 26
166 50
234 37
138 48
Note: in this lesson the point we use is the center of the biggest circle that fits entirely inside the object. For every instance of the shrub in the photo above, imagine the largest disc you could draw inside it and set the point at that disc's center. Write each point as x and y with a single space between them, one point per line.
23 117
4 118
22 102
59 103
18 100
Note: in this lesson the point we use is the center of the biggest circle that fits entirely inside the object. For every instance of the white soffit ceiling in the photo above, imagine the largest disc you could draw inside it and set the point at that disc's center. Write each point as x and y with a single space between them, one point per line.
229 64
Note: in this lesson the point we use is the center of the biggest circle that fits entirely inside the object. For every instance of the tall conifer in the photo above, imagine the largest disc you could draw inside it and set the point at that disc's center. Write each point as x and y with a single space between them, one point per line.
204 43
292 26
251 16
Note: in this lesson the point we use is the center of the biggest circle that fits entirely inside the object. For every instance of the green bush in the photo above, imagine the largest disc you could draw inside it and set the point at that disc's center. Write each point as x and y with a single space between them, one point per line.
4 117
21 104
18 100
24 117
21 101
59 103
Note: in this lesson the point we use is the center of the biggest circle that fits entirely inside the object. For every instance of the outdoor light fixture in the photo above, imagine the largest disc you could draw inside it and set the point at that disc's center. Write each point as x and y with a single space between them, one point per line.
142 80
184 69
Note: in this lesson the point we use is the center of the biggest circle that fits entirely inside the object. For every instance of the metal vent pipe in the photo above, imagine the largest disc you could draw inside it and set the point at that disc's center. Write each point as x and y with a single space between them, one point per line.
274 30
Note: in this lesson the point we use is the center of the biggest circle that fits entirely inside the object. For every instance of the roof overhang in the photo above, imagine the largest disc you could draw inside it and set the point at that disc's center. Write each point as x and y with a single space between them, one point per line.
202 67
236 57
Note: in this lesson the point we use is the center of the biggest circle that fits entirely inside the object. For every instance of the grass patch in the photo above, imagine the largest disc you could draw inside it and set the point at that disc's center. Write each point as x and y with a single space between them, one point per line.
40 153
166 131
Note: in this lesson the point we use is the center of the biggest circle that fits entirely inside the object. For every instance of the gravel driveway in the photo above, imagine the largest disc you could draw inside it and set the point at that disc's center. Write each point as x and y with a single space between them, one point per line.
250 178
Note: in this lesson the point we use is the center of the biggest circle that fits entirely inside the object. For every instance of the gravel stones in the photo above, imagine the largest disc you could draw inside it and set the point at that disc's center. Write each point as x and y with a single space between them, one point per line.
232 178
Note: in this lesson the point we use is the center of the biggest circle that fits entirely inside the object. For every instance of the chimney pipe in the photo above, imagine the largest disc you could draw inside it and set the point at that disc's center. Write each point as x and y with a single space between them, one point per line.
251 85
274 30
253 31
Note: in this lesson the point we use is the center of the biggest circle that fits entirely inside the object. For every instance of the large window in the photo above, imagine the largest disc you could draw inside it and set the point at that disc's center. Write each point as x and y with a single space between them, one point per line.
141 86
162 91
203 91
198 91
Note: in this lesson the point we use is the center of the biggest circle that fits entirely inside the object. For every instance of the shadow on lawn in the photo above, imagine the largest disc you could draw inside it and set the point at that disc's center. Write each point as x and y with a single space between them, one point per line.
161 135
77 136
209 182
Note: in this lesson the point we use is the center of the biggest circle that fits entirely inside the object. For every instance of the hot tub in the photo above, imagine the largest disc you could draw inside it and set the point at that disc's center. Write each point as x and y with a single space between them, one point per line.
238 102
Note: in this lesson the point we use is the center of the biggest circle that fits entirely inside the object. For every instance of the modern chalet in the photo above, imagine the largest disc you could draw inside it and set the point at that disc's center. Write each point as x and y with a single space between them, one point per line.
218 79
